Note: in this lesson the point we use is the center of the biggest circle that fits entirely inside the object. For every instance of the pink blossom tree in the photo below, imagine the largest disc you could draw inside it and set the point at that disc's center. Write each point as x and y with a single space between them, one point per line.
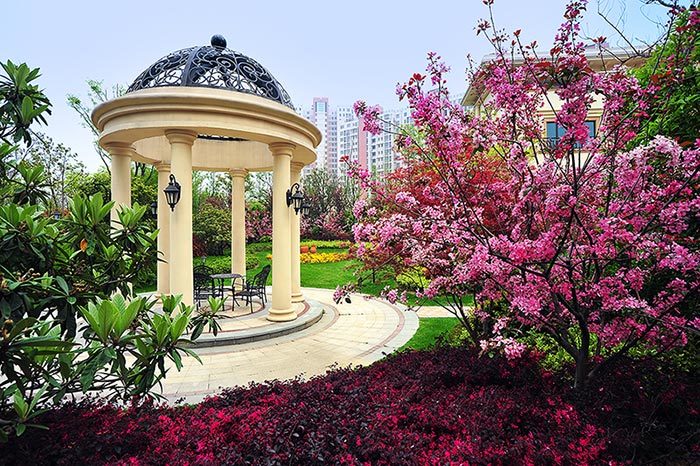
588 240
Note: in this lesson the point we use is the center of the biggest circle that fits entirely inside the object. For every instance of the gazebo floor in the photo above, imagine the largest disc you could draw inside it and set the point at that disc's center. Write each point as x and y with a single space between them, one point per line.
239 325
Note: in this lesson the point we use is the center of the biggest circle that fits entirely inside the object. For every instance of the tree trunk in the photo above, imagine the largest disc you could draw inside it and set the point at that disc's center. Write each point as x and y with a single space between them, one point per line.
581 370
582 360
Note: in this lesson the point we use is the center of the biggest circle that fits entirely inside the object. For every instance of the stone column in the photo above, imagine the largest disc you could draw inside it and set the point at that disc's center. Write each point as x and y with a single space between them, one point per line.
181 278
121 178
238 220
297 297
281 309
164 230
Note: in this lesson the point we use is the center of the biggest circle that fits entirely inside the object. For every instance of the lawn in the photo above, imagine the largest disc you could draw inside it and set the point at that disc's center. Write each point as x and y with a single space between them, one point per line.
429 329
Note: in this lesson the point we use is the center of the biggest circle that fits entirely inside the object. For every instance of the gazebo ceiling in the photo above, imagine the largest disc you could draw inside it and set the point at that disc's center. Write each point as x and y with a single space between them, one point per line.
212 66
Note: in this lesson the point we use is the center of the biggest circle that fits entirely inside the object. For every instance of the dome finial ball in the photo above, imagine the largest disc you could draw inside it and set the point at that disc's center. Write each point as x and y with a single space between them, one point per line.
218 41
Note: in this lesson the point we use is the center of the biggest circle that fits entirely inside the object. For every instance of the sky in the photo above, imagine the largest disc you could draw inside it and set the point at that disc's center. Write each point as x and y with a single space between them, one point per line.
342 50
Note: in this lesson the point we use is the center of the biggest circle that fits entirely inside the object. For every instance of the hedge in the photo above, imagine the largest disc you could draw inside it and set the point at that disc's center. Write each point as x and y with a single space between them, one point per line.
448 406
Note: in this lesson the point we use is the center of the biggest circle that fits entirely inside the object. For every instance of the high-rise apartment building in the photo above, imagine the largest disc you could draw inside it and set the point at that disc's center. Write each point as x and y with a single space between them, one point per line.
381 156
352 143
373 152
343 135
326 119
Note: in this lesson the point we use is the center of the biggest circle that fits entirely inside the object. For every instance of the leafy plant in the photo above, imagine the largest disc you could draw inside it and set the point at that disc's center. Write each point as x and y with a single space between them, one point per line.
208 316
212 226
22 103
59 274
122 353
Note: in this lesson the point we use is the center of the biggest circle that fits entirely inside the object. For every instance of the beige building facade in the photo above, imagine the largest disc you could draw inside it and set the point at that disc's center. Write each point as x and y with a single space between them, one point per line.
475 97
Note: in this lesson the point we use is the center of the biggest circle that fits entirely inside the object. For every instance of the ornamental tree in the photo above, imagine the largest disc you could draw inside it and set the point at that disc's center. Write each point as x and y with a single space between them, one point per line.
590 239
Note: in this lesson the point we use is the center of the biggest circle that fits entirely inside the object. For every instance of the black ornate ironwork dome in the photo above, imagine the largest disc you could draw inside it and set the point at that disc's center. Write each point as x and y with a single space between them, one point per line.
213 66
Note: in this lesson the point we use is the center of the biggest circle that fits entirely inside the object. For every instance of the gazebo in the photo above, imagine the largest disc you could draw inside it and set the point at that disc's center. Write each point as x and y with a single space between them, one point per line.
211 108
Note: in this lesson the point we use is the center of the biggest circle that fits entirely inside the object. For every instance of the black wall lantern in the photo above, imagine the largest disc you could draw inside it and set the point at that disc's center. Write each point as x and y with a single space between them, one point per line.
154 209
172 192
296 197
305 208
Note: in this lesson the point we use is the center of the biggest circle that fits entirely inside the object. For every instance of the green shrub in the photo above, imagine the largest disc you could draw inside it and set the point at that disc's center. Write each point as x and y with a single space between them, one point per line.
212 226
413 279
146 277
219 264
266 246
457 336
259 247
251 262
222 264
554 356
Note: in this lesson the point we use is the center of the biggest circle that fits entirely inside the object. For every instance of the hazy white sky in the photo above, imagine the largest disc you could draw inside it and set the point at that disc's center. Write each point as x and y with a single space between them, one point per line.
344 50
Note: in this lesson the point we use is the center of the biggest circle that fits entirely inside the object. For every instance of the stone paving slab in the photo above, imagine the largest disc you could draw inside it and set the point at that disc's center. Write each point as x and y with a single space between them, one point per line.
433 311
358 333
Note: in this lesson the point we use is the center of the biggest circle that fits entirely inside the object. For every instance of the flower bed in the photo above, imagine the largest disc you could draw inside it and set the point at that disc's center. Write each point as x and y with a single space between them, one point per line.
443 407
323 257
320 257
328 244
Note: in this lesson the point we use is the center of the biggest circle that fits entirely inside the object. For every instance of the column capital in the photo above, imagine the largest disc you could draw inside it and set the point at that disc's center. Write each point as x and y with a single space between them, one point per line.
120 148
297 166
282 148
162 166
181 136
238 172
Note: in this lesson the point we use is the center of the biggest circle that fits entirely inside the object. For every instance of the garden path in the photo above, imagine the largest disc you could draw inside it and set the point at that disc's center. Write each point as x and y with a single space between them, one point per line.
358 333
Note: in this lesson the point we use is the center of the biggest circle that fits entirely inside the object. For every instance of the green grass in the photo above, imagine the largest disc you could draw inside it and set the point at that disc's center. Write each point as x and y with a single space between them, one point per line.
429 329
328 275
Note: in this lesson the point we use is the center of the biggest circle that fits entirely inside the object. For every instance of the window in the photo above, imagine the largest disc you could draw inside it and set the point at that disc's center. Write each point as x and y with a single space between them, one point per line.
555 131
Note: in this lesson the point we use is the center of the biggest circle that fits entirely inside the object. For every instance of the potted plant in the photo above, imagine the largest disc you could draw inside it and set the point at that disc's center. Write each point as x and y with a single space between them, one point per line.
313 248
304 249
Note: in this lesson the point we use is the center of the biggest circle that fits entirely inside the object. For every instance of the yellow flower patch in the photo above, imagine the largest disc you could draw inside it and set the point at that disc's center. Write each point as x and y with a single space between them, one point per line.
323 257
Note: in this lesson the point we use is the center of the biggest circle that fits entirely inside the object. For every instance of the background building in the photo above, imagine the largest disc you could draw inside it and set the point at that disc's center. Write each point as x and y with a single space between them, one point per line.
476 96
343 135
326 118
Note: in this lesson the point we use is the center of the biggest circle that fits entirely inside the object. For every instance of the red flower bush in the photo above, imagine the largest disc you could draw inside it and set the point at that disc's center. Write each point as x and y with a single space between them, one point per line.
443 407
258 224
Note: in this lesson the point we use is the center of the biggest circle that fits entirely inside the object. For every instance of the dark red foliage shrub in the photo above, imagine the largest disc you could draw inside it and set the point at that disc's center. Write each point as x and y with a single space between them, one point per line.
199 247
443 407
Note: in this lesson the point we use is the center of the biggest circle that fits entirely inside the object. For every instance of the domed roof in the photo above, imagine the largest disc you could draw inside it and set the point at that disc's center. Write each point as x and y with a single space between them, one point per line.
213 66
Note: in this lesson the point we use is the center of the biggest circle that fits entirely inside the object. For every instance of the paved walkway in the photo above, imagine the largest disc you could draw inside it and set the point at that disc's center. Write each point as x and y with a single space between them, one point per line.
433 311
358 333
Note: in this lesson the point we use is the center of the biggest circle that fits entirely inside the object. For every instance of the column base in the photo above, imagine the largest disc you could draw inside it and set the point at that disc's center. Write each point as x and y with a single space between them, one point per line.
281 315
297 297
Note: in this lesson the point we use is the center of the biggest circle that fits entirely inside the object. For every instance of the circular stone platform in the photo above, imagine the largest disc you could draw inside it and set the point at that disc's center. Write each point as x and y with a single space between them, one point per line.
242 328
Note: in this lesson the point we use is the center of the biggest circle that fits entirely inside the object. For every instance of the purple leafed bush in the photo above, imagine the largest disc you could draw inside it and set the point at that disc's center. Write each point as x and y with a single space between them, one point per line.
448 406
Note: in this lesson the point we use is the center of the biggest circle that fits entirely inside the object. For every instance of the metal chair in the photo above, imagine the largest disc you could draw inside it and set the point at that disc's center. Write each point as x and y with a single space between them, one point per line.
204 286
255 288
